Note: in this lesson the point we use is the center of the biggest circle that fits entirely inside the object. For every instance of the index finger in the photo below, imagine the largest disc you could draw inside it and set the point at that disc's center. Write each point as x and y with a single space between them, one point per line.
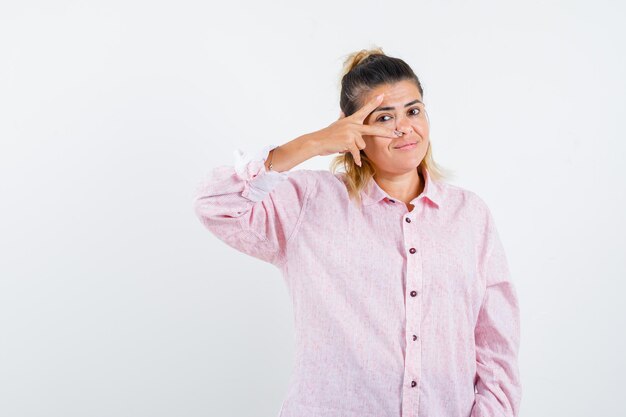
377 131
369 107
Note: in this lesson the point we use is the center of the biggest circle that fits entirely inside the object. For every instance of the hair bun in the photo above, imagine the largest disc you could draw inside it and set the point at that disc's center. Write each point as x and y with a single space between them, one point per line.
356 58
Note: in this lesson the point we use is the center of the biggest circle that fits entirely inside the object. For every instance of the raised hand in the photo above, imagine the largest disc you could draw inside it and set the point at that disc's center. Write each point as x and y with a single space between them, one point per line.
346 133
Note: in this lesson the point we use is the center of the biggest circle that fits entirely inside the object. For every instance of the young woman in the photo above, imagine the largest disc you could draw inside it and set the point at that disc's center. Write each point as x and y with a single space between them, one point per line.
403 300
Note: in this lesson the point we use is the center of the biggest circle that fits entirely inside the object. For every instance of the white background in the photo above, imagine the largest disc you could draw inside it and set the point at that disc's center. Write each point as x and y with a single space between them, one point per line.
115 301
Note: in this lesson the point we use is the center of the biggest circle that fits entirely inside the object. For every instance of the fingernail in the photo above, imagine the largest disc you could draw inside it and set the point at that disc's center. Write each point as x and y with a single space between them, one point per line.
379 96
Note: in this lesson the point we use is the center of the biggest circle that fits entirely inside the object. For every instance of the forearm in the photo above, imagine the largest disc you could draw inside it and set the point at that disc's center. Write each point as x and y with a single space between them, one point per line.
292 153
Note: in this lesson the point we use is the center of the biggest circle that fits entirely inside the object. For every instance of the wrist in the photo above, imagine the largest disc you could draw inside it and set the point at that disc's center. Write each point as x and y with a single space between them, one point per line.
311 142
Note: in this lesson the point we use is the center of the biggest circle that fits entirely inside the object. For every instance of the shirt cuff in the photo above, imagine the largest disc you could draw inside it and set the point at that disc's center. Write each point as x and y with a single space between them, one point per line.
250 167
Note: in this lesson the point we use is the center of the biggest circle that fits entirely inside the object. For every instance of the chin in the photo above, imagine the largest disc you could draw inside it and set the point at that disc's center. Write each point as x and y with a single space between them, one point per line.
403 168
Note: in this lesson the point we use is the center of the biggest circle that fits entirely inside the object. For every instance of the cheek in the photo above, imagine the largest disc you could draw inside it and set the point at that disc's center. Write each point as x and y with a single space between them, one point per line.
422 128
375 148
423 123
372 143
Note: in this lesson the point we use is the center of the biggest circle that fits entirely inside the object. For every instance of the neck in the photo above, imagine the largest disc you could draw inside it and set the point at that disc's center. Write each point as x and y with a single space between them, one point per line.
403 187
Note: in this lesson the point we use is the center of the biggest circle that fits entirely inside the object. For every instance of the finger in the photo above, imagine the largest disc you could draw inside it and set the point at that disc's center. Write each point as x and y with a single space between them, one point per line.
369 107
356 155
360 143
372 130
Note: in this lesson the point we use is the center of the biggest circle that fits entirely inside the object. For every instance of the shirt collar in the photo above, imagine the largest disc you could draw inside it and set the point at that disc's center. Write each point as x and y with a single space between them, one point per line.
372 193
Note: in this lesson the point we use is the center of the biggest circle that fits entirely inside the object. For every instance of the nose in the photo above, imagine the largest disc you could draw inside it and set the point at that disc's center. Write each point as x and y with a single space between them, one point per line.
404 125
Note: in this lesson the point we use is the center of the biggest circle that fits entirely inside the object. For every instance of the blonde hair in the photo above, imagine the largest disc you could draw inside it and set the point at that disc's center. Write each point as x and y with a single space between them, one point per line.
363 71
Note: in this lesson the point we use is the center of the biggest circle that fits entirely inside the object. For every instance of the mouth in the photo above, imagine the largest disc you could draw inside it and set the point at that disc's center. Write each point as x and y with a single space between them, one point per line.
407 145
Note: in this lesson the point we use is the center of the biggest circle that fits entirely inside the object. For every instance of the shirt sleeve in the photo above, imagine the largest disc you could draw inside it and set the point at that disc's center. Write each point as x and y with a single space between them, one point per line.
497 335
251 209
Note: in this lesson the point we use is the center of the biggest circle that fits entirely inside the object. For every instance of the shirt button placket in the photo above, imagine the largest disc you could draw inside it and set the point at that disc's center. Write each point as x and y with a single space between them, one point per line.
410 399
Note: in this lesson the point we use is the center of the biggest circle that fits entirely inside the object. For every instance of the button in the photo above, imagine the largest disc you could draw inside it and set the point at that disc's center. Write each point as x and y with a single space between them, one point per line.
414 337
413 383
408 220
412 250
413 293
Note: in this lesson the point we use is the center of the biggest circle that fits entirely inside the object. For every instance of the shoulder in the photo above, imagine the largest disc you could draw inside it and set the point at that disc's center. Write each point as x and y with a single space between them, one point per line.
463 199
316 182
318 178
323 186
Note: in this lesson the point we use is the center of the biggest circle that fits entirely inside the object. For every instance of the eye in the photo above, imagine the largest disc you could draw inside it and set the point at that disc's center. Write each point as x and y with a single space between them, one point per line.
411 112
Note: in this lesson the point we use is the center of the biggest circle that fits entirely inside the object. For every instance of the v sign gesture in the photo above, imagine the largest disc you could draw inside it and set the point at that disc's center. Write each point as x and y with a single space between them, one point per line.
345 134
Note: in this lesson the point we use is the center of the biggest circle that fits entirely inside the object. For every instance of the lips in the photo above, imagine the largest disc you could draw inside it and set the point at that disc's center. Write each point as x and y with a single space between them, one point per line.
404 144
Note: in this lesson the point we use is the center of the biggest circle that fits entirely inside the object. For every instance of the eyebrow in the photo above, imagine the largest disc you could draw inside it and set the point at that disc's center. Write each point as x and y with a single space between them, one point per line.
391 107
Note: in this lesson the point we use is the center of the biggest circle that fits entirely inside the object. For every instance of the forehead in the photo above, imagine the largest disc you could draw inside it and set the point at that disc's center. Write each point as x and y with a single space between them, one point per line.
396 93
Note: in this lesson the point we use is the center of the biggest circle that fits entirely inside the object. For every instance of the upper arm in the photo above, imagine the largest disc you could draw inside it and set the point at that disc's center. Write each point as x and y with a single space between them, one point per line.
253 210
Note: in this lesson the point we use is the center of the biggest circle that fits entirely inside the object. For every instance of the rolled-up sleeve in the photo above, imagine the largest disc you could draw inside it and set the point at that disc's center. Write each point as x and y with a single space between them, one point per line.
251 209
497 334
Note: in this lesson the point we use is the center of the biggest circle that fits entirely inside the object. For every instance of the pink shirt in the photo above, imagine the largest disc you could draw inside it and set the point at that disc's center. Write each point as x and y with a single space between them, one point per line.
396 313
